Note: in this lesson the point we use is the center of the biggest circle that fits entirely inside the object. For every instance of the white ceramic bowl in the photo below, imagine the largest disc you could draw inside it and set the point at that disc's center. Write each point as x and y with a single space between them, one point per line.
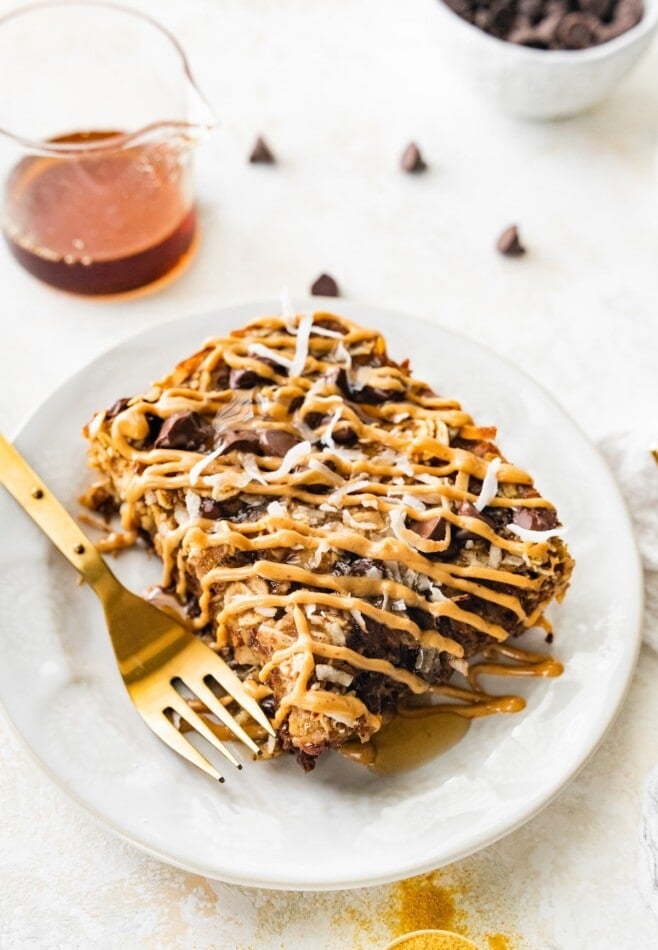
542 84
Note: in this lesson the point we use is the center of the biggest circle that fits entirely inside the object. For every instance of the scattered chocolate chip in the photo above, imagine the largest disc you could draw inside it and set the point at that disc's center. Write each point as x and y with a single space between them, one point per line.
261 153
246 379
325 286
548 638
277 442
412 161
116 408
535 519
432 530
185 430
509 243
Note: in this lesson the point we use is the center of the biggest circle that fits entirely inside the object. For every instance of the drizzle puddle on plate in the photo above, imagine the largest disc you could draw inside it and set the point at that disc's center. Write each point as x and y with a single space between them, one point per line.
412 738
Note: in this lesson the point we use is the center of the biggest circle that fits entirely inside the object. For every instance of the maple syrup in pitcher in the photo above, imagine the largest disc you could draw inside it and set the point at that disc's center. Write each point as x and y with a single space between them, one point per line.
105 219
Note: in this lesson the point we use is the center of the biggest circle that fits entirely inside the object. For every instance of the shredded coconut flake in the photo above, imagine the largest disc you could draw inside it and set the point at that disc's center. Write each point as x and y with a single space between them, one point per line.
404 464
259 349
495 556
352 522
396 520
201 466
348 489
412 502
327 435
322 331
374 573
360 622
317 466
193 505
329 674
181 516
435 594
318 554
537 536
276 510
342 355
250 465
301 347
489 485
292 457
229 479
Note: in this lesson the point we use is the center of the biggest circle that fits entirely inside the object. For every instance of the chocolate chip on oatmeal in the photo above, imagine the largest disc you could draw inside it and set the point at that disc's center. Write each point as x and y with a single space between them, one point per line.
245 379
509 243
344 435
412 161
246 440
261 154
185 430
434 529
117 407
209 508
277 442
466 509
535 519
325 286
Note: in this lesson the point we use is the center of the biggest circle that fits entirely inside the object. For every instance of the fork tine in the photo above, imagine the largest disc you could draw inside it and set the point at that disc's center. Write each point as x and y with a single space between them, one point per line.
227 679
194 720
208 698
167 731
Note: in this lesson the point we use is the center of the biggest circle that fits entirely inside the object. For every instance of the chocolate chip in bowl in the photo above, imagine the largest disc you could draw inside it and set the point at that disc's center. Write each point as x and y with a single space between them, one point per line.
546 59
551 24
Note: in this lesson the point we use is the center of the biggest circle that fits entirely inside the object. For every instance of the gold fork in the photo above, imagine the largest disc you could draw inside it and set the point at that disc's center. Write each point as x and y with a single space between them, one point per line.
154 651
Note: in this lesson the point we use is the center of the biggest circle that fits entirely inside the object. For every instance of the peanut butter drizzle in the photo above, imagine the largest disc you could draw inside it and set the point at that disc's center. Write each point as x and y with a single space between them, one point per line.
473 702
404 469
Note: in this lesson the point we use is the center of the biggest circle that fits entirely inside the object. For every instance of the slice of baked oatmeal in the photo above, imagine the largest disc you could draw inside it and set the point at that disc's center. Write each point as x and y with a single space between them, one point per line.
346 536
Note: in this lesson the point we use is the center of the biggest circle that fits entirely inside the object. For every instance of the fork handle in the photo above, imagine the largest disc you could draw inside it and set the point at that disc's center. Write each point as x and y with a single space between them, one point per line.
41 505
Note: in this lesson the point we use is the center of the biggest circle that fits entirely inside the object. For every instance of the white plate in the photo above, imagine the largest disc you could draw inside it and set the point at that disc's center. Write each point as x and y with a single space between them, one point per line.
340 826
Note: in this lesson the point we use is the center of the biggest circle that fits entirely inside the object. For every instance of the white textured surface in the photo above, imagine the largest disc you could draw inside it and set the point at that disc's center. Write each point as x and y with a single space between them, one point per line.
339 94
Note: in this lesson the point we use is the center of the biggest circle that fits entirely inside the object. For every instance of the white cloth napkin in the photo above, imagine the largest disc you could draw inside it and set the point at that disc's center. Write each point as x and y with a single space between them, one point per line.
637 473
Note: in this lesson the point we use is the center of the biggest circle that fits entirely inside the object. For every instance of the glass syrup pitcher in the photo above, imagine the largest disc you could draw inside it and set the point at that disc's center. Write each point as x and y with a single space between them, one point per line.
99 118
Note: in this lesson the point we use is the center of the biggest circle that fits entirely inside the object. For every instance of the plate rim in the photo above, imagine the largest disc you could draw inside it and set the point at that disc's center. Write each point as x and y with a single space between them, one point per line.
364 313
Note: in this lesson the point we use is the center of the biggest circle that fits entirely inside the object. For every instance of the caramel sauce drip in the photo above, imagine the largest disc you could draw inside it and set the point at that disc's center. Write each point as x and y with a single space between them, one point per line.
403 471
